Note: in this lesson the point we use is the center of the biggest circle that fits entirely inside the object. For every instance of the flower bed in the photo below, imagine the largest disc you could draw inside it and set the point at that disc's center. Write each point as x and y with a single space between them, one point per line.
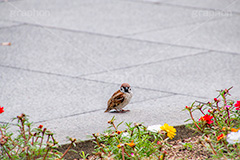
217 131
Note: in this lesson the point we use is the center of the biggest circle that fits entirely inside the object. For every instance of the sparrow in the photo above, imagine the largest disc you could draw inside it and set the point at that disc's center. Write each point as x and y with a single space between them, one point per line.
120 98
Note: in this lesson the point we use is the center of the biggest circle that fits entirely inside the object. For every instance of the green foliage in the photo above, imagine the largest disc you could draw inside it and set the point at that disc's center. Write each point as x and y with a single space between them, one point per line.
83 155
29 143
188 146
135 142
220 118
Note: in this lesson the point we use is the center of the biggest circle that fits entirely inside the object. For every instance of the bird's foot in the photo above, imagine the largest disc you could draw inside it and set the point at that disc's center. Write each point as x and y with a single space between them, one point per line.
123 111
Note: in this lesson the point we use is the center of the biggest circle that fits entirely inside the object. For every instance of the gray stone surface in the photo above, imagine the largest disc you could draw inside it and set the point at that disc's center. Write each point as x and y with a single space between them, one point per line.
198 74
78 54
105 16
5 24
150 112
224 35
222 5
48 96
68 58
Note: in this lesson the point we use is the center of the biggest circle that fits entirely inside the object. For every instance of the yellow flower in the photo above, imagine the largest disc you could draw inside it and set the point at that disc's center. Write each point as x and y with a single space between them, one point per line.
171 131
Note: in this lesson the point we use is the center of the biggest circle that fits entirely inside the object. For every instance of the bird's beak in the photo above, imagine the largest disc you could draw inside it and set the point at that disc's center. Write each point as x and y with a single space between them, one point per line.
126 89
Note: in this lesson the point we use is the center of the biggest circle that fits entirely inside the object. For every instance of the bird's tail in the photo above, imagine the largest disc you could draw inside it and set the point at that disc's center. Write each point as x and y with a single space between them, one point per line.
107 110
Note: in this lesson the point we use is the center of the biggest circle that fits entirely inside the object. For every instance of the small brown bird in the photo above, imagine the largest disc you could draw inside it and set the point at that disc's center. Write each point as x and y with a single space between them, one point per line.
120 98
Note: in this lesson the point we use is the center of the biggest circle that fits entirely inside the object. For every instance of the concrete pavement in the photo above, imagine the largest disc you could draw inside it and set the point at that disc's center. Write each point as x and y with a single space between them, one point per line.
68 58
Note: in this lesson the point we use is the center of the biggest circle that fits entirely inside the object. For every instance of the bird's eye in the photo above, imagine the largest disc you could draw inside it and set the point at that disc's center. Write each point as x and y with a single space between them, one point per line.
130 89
122 89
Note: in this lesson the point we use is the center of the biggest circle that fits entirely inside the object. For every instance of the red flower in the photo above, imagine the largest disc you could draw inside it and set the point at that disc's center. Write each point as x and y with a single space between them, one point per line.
221 136
237 105
207 118
1 109
40 126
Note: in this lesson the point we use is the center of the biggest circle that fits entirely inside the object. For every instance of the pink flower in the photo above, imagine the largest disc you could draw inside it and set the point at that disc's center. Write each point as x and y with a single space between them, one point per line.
237 105
227 107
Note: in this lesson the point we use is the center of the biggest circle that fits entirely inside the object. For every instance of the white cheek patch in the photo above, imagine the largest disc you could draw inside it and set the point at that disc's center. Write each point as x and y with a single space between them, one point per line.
122 89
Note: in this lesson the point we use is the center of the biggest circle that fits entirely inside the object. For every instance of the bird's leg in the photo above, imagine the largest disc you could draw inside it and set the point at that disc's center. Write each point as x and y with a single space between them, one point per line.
122 110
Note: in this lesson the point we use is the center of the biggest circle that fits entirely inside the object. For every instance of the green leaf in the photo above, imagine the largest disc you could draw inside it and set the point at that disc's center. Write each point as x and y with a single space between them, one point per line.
187 120
119 124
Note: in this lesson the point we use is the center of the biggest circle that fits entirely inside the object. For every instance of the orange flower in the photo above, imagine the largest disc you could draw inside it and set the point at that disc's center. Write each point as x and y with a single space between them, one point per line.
201 119
131 144
221 136
120 145
234 130
118 132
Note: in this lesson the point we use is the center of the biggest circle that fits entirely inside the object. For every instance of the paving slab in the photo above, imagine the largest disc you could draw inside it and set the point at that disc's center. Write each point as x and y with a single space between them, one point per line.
4 24
47 97
224 5
200 74
221 35
68 58
151 112
76 53
105 16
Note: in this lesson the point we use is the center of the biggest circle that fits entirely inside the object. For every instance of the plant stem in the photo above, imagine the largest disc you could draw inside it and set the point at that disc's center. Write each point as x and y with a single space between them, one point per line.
228 116
66 150
41 142
202 111
123 153
194 121
127 154
7 153
98 143
214 152
46 153
114 126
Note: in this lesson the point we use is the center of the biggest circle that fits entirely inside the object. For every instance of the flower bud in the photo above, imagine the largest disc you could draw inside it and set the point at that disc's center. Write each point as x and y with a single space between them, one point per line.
207 140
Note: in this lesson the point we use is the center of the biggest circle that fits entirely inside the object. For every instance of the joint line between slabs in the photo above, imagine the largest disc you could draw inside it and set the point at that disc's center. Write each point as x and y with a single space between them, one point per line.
91 80
119 37
183 6
71 115
149 63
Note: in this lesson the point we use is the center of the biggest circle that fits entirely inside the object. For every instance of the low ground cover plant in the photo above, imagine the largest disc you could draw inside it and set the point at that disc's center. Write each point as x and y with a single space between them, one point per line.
135 142
219 125
29 143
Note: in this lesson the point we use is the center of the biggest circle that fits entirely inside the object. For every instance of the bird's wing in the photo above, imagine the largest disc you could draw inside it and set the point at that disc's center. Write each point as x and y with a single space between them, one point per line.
117 98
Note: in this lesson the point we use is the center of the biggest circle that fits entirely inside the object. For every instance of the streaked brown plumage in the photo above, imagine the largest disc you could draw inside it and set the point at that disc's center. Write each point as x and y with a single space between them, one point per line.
120 98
